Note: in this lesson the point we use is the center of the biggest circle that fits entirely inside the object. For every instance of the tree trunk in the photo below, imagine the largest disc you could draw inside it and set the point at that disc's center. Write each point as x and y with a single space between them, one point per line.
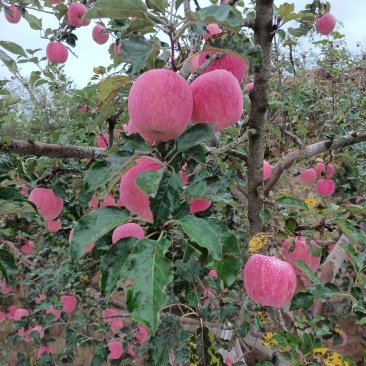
257 116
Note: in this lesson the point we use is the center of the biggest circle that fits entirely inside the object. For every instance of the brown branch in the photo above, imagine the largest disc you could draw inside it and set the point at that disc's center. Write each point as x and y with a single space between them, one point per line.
328 270
203 68
17 253
307 152
51 150
293 136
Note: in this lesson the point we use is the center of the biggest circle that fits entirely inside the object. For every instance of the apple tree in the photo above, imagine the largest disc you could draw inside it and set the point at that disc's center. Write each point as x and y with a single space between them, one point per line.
200 201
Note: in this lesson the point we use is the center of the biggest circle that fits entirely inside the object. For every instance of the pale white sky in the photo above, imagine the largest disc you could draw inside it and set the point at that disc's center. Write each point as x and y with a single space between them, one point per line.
80 69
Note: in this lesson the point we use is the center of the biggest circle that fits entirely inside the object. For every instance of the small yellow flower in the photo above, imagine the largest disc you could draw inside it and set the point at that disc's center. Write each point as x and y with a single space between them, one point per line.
311 202
257 242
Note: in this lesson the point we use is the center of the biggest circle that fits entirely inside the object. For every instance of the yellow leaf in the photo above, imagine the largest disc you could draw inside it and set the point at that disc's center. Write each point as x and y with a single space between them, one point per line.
258 242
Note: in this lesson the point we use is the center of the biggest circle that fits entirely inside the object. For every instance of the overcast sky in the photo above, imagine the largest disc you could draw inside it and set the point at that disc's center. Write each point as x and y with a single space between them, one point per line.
80 69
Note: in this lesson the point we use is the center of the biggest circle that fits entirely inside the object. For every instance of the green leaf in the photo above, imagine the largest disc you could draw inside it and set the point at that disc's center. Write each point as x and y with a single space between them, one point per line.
237 45
230 266
19 208
285 9
93 226
167 199
265 215
150 271
33 21
168 337
286 339
108 90
115 9
13 48
226 16
114 265
304 268
302 301
11 194
5 164
197 153
135 48
353 233
158 5
111 168
194 136
290 201
291 224
149 181
8 267
202 349
8 62
200 232
134 142
208 188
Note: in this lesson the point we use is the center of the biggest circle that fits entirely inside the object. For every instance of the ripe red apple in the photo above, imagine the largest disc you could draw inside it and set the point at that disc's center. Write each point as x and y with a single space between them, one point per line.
269 280
325 187
308 176
267 170
217 98
48 204
213 29
57 53
115 350
54 226
126 230
108 201
131 129
75 15
117 47
15 18
249 86
326 24
324 170
223 2
228 62
99 37
133 198
193 64
302 252
160 104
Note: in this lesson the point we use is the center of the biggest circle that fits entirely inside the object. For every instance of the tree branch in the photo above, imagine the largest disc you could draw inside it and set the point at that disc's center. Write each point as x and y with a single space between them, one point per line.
307 152
51 150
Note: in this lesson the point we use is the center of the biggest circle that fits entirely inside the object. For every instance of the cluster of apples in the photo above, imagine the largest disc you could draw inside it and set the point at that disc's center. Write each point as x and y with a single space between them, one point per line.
324 186
57 52
271 281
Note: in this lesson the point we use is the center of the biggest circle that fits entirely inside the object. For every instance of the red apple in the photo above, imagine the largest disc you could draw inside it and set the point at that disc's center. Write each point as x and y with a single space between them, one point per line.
57 53
133 198
326 24
267 170
213 29
229 63
126 230
217 98
15 18
269 280
324 170
99 37
308 176
160 104
301 251
48 204
325 187
249 86
75 15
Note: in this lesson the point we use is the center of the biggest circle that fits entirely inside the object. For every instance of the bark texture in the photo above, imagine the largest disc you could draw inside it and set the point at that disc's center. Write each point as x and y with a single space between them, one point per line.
257 115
